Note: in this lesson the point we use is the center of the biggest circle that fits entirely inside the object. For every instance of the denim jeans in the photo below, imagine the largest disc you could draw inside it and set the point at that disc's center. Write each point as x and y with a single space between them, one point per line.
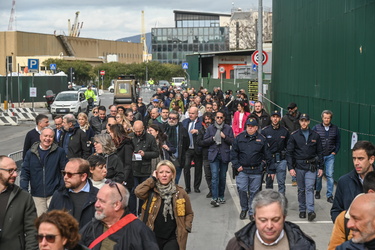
329 164
219 174
178 174
133 198
280 177
248 186
306 183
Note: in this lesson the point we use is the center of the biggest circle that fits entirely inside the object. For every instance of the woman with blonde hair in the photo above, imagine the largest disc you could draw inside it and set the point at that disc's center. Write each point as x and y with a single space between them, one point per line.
170 211
105 147
58 230
85 126
121 119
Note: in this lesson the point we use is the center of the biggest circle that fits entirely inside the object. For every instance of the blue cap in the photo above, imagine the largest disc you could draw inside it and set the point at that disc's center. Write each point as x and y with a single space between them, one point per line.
276 112
155 100
252 122
304 116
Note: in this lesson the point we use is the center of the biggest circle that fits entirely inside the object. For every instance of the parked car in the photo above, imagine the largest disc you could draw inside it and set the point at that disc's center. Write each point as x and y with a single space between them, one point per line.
161 83
97 93
111 88
69 102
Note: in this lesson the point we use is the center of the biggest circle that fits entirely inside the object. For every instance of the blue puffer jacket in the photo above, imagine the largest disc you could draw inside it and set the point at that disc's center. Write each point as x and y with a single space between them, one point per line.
44 177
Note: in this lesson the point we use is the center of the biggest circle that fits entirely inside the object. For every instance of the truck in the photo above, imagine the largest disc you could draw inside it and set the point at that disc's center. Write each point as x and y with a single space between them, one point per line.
125 90
178 81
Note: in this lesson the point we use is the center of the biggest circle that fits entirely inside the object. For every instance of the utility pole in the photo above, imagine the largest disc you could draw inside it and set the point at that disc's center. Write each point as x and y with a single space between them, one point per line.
260 50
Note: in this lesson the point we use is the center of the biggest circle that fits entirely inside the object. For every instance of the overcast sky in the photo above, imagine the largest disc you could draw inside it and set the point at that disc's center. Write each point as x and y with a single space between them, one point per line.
108 19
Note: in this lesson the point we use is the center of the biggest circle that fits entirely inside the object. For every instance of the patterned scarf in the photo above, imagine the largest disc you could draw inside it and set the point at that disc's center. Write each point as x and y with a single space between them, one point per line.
166 193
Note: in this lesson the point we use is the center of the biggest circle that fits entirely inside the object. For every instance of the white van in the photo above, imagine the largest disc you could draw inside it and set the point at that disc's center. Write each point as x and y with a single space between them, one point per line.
178 81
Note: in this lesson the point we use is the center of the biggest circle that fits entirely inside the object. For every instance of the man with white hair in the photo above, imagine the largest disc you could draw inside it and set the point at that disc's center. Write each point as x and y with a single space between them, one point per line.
114 227
270 229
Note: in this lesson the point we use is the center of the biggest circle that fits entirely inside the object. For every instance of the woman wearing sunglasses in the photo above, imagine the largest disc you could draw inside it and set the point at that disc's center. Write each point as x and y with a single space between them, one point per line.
170 212
58 230
105 147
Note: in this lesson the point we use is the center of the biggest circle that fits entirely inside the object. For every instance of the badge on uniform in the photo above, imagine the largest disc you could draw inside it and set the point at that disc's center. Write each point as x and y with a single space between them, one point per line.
282 137
313 140
258 140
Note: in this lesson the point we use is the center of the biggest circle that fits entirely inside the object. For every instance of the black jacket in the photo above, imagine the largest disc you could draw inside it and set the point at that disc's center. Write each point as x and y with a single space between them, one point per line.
18 232
263 120
115 167
197 125
277 139
183 142
97 124
249 152
125 153
330 139
31 137
44 177
61 200
299 151
147 143
298 240
291 122
348 187
77 146
135 235
200 137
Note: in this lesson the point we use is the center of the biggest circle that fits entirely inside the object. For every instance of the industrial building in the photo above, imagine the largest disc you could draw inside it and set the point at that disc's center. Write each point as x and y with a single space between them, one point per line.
202 32
16 47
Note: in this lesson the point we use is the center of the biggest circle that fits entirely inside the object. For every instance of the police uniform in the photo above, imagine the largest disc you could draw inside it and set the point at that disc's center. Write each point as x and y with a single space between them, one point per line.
277 138
305 157
252 153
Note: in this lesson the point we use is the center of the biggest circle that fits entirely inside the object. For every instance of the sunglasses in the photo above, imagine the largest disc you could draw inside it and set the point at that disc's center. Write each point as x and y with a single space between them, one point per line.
172 118
10 170
50 238
113 184
109 124
95 112
219 117
69 174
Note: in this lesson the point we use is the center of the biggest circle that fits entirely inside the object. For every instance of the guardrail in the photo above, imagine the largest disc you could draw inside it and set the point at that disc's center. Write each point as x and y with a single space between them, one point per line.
17 157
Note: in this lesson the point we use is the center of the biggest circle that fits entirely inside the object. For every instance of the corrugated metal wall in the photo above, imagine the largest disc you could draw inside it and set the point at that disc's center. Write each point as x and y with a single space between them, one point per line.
324 58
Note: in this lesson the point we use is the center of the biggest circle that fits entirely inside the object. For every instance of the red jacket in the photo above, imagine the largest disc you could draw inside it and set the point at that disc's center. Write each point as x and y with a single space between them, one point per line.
236 122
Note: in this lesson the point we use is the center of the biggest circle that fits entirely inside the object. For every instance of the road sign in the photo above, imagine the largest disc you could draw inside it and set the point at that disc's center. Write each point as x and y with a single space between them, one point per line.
33 92
52 66
102 72
255 57
254 68
33 65
222 69
185 65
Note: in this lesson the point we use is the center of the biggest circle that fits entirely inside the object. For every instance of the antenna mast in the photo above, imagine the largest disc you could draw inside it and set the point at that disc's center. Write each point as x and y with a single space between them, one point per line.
12 17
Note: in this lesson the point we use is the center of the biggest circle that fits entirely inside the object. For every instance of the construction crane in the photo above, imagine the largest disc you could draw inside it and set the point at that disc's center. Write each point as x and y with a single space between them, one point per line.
143 38
12 18
75 29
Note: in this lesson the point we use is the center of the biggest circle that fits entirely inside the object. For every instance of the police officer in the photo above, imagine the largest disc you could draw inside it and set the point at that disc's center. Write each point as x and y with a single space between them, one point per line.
250 155
277 137
304 158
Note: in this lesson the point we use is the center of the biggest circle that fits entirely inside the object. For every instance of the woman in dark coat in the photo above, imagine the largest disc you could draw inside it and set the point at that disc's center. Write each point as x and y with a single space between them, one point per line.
104 146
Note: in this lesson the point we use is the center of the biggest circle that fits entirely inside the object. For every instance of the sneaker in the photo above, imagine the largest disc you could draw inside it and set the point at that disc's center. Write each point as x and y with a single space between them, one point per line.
215 203
209 195
302 215
317 195
251 217
294 183
330 199
222 200
311 216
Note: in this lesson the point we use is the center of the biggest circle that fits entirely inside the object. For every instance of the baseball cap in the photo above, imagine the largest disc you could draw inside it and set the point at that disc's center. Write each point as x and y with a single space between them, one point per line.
252 122
276 112
292 105
304 116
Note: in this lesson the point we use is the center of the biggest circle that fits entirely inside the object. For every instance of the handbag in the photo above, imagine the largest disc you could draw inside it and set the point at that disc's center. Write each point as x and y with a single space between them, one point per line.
150 196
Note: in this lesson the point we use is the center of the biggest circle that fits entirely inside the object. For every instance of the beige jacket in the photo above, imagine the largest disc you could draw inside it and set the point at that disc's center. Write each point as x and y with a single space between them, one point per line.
181 207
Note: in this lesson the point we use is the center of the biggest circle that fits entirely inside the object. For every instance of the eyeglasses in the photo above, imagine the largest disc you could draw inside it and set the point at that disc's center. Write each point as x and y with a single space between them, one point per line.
10 170
109 124
50 238
219 117
69 174
172 118
95 112
113 184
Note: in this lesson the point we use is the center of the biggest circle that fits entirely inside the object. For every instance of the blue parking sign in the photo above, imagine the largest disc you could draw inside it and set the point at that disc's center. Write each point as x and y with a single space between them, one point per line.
33 65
